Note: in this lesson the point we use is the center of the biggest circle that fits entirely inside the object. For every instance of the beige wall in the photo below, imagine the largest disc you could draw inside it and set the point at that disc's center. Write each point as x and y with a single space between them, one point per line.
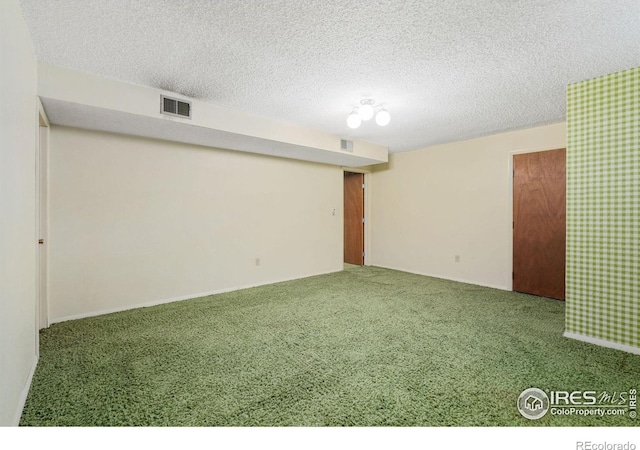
135 221
18 127
452 199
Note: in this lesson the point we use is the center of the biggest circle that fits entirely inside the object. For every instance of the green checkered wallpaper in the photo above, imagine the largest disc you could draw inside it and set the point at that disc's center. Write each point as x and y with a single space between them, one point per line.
603 208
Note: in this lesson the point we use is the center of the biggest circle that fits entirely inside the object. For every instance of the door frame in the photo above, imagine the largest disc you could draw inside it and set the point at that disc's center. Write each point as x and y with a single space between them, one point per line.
511 218
367 210
42 218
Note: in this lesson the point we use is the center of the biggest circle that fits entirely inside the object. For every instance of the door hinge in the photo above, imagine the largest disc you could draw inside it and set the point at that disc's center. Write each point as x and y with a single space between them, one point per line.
363 220
363 254
363 185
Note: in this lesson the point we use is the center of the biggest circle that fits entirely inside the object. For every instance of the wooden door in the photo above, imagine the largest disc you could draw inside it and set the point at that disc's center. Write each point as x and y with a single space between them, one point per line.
354 218
539 223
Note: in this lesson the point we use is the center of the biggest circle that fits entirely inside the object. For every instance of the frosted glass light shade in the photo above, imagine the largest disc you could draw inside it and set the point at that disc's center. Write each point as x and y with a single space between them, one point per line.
365 112
383 117
353 120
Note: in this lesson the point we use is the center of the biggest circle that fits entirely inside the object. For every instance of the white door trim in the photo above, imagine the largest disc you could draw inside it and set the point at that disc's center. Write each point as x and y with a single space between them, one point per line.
42 219
511 169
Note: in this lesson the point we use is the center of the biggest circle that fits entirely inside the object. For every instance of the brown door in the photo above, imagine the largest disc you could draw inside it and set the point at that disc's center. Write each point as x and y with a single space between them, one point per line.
539 223
354 218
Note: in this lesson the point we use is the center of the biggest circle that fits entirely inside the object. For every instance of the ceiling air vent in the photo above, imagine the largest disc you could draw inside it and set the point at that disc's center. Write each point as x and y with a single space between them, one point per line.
175 107
346 146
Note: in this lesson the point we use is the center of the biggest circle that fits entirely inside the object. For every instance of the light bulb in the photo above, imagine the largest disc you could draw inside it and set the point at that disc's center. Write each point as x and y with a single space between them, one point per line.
353 119
365 111
383 117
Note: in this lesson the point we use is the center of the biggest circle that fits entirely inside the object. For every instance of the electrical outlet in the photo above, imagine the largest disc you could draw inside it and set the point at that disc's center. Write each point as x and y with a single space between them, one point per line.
257 261
457 258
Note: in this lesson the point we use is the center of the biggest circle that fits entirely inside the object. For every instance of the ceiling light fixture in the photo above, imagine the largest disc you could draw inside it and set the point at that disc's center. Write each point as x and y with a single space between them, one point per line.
353 119
383 117
366 111
366 108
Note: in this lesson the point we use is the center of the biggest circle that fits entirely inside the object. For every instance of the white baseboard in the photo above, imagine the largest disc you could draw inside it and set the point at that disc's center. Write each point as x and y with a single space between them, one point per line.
602 342
460 280
176 299
25 392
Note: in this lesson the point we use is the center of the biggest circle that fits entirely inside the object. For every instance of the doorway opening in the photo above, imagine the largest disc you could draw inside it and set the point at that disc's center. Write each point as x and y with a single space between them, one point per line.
42 223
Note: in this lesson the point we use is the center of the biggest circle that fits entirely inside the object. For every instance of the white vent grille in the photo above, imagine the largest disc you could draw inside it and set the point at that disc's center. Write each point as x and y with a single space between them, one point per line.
346 146
175 107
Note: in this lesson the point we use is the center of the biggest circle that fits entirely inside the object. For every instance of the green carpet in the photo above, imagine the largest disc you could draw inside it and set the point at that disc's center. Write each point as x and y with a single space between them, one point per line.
366 347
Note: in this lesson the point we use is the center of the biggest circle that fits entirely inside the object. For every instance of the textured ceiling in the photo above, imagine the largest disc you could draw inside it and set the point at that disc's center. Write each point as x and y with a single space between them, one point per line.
446 70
